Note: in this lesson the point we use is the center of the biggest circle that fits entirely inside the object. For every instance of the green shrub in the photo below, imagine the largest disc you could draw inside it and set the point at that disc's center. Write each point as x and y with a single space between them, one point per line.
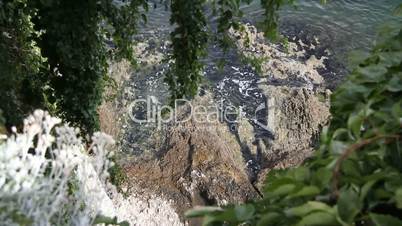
54 54
20 61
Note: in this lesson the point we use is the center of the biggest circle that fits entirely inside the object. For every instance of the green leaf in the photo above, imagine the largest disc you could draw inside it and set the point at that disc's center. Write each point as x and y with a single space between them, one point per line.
395 83
385 220
244 212
299 174
322 177
366 188
339 132
349 205
307 208
109 221
397 110
372 73
338 147
350 168
355 124
283 190
280 186
268 219
324 135
227 215
319 219
209 219
390 58
306 191
356 57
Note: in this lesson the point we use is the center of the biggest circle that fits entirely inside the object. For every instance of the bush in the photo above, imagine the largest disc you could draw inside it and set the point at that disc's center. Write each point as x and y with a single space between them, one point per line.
20 62
52 58
47 177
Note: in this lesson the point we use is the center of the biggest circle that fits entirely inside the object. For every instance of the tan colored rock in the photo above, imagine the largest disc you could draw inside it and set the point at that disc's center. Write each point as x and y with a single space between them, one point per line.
201 164
295 118
246 135
109 111
148 57
278 64
296 113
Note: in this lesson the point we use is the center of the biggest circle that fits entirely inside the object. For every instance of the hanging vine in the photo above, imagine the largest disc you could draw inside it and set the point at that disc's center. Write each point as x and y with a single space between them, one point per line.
270 23
189 40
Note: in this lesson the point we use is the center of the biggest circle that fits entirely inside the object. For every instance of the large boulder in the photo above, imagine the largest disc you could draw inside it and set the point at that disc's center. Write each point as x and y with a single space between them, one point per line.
200 164
297 101
295 118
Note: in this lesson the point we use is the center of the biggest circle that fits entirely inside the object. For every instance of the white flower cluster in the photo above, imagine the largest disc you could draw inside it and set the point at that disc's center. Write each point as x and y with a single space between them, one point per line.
47 177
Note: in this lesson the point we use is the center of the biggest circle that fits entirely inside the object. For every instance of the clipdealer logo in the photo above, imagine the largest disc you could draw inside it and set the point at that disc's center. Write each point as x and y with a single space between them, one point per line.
155 113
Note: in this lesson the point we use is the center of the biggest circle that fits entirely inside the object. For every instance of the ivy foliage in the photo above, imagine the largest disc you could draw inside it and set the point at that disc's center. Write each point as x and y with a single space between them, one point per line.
54 53
270 23
20 61
74 43
355 178
189 40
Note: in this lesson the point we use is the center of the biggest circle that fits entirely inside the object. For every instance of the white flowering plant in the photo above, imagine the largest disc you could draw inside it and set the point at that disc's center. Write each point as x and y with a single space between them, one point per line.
49 177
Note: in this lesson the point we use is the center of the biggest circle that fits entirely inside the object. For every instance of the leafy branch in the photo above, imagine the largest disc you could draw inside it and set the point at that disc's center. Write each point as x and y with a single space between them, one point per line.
355 147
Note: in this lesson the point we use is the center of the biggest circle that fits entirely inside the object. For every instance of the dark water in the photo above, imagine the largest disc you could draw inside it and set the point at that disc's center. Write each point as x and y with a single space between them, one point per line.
346 24
340 26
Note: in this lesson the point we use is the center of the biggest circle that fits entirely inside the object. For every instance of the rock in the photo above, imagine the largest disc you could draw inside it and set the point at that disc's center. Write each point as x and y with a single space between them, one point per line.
295 118
150 52
109 110
296 100
246 135
278 63
201 164
143 210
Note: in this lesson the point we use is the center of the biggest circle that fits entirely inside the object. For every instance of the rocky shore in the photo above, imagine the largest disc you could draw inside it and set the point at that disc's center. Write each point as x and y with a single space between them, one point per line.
192 163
